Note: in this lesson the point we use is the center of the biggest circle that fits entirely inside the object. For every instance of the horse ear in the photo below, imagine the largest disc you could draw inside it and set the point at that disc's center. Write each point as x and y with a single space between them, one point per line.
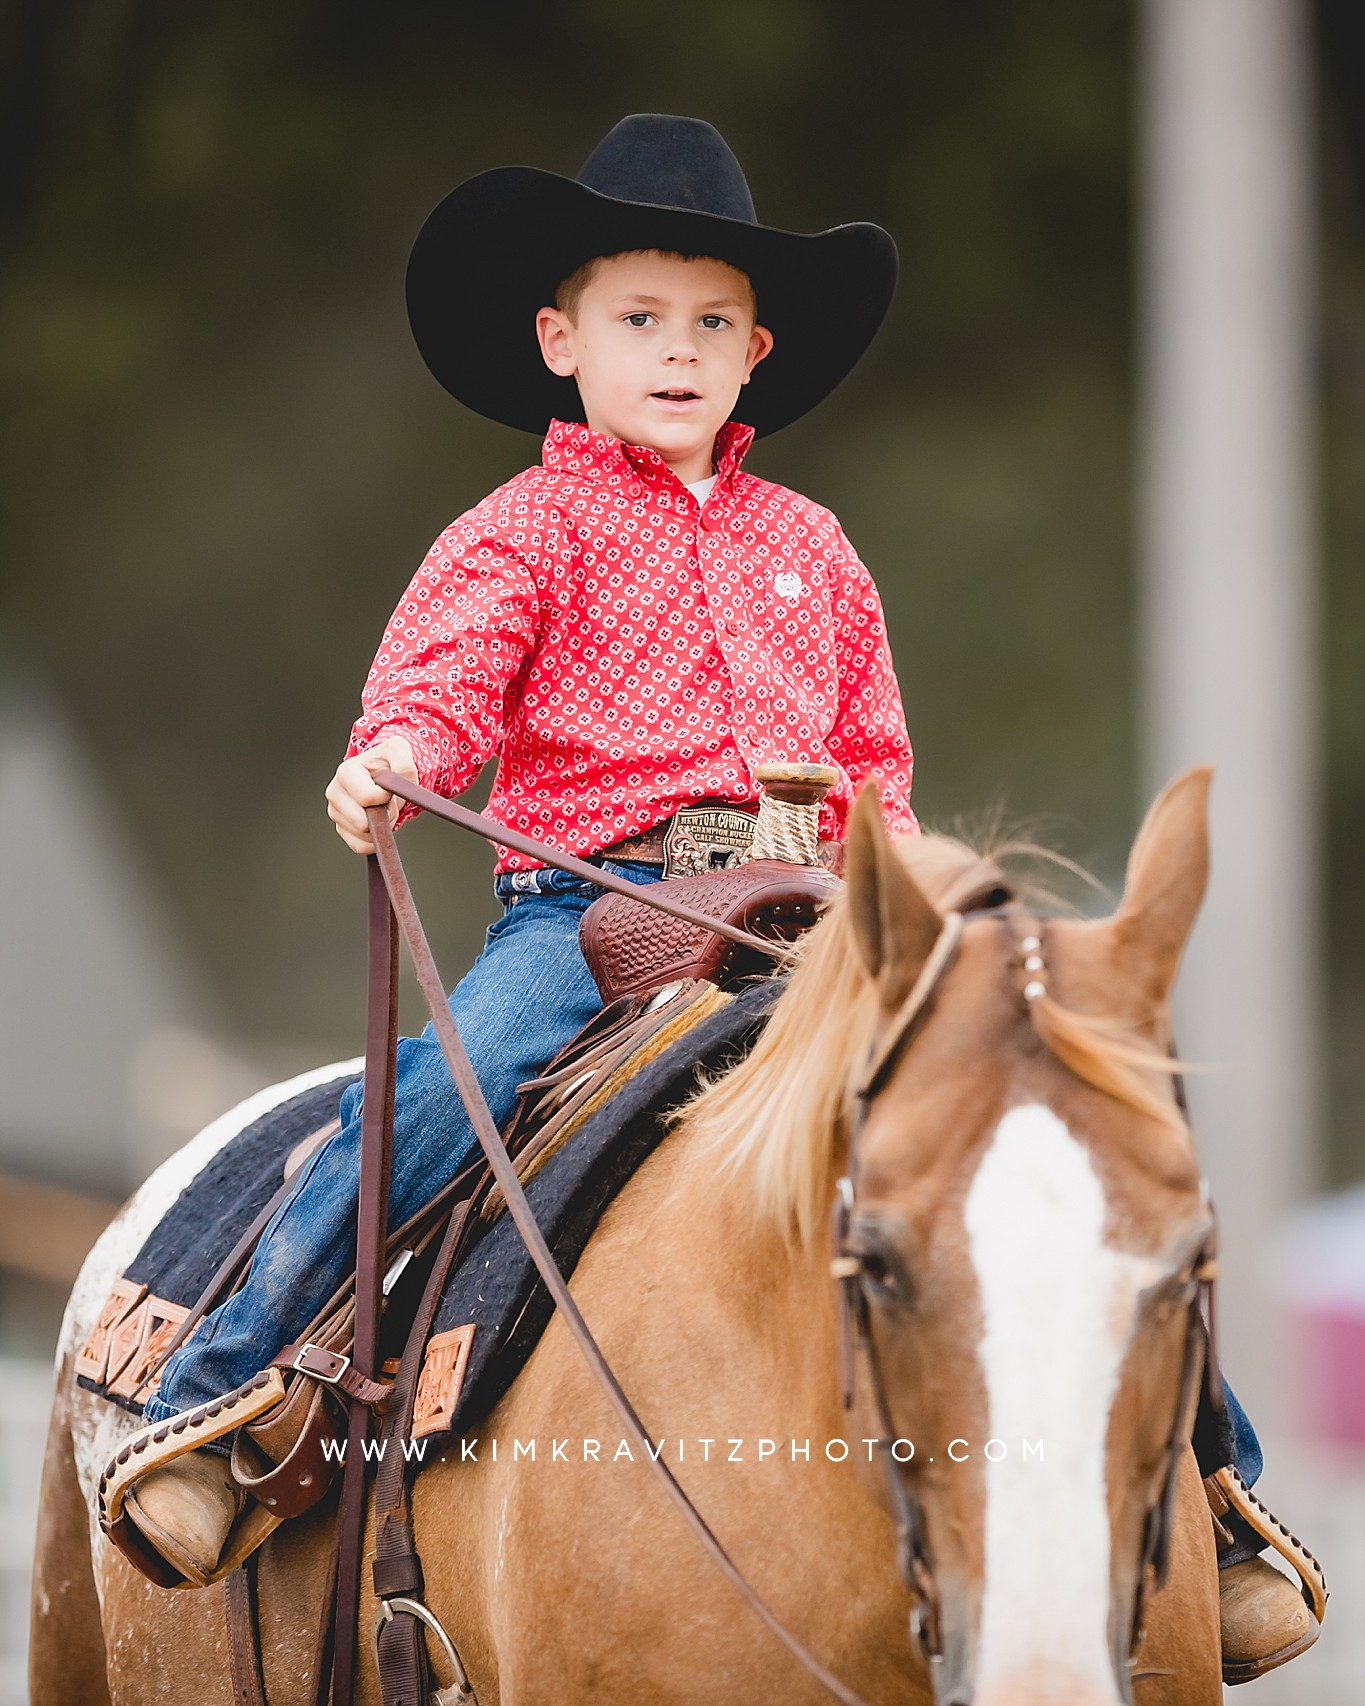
893 924
1168 871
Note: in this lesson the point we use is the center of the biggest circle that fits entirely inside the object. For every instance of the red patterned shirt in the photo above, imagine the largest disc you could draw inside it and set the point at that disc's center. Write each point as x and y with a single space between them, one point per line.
627 652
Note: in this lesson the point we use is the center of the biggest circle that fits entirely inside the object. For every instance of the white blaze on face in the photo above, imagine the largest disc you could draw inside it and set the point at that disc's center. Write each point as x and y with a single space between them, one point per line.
1058 1306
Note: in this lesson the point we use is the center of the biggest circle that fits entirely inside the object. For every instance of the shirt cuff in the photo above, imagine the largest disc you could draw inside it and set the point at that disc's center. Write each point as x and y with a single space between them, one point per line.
423 757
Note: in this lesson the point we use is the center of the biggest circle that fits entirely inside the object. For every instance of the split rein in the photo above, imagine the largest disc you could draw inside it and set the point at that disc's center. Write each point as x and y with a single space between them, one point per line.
389 892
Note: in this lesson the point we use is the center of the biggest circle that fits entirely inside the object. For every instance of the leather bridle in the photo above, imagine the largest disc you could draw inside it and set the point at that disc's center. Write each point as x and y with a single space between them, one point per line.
848 1267
849 1271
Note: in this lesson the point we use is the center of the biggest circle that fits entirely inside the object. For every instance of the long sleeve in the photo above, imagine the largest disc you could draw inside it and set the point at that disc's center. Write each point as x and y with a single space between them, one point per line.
452 650
869 737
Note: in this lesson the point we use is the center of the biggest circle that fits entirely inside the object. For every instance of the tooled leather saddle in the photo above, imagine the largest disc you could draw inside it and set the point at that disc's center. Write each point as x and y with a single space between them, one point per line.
630 948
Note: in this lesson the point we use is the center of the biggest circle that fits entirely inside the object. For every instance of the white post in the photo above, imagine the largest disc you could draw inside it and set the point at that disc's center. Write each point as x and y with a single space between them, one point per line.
1228 598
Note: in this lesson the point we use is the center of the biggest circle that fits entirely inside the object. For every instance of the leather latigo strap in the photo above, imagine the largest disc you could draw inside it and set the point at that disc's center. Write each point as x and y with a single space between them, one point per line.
400 1643
244 1648
376 1160
401 1652
335 1368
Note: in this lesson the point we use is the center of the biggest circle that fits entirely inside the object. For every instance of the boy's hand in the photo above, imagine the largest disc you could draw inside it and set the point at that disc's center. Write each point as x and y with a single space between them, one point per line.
354 787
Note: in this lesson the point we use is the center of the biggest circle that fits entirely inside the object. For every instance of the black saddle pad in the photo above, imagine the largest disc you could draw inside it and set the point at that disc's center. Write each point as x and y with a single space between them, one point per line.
496 1289
181 1253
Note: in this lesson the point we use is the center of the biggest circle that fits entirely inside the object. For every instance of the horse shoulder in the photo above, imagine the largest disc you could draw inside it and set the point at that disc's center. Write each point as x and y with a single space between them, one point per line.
1180 1648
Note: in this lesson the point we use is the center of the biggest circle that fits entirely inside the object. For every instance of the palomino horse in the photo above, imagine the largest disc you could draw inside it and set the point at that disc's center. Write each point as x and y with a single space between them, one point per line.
1026 1208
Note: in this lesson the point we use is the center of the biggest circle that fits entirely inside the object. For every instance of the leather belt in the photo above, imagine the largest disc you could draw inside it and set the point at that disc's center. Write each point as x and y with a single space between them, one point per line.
709 836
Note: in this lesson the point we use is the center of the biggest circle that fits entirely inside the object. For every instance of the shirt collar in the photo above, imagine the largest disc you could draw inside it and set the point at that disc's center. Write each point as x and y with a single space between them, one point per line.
571 447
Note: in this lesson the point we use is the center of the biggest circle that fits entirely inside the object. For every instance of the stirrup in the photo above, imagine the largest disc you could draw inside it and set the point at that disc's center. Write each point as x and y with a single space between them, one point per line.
1226 1490
159 1443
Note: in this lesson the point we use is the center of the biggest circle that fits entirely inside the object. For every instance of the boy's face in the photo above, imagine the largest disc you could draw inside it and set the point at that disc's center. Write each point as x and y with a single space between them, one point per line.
660 347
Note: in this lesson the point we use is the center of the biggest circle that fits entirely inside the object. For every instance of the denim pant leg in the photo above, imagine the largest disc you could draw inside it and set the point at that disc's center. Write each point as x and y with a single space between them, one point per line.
1246 1448
528 993
1246 1457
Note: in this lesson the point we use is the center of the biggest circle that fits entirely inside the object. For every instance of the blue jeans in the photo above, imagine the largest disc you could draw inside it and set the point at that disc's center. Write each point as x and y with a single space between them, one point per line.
527 995
1246 1448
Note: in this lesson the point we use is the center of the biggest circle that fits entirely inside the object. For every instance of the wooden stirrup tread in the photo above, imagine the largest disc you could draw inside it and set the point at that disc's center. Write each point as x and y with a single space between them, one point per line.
159 1443
1241 1499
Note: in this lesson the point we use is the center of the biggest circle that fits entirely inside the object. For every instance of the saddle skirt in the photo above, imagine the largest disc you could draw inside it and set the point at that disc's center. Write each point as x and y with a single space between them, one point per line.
579 1138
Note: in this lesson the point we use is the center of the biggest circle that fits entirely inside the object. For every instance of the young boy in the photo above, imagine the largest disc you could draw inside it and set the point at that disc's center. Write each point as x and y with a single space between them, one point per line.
632 626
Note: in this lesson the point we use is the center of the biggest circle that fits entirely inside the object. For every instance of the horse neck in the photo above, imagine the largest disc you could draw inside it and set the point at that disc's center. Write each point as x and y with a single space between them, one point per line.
773 1294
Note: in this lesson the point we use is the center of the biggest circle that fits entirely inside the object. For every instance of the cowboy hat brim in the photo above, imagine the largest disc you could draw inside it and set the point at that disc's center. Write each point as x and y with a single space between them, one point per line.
493 251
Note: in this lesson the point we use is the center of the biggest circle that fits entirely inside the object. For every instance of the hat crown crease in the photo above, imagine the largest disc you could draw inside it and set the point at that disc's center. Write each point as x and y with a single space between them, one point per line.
669 161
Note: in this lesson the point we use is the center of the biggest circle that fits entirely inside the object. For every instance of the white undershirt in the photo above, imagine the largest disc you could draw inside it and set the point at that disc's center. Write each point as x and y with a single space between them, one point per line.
701 488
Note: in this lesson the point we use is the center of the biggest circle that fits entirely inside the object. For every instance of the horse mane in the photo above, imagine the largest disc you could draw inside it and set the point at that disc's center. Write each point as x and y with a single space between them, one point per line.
785 1104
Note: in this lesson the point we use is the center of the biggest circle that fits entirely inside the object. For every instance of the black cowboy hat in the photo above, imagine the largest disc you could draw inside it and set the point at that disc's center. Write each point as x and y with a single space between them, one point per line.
493 252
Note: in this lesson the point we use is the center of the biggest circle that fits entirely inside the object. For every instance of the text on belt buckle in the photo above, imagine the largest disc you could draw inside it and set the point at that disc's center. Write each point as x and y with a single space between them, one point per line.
705 838
334 1364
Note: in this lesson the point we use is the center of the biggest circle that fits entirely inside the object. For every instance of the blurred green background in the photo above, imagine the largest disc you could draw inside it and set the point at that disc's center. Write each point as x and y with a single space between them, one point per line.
223 458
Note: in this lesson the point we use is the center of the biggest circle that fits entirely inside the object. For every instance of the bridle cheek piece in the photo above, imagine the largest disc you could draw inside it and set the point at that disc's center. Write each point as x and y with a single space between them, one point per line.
848 1270
855 1334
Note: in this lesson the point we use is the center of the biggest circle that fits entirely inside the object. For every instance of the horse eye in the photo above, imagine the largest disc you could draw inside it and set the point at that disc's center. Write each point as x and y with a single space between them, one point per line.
885 1276
879 1259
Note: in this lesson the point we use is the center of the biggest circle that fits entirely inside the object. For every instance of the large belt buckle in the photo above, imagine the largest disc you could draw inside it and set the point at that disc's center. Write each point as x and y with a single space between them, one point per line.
322 1365
706 838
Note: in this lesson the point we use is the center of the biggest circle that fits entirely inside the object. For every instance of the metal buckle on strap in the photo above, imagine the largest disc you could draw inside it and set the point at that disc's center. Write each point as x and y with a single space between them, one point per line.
322 1364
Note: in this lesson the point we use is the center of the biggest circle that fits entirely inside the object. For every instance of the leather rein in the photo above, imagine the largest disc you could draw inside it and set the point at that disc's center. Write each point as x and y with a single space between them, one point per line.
848 1268
391 903
393 914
